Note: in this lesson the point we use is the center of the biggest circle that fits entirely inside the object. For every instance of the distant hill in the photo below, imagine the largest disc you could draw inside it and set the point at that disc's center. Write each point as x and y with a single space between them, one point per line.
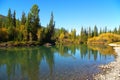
2 18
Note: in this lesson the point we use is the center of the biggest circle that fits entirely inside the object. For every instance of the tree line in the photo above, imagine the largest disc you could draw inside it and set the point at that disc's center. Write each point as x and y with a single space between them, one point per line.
26 29
29 28
89 33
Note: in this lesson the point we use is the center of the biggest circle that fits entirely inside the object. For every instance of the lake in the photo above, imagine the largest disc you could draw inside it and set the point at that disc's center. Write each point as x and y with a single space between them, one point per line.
74 62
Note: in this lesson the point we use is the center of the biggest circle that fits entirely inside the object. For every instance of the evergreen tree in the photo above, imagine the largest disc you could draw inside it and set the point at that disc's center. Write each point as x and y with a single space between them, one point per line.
51 25
95 31
11 24
50 29
89 33
119 30
14 19
115 30
81 33
23 19
17 23
34 21
84 35
73 33
100 31
28 27
105 30
9 19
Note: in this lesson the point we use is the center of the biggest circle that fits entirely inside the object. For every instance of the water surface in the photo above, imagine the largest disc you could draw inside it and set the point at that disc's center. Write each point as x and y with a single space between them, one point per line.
75 62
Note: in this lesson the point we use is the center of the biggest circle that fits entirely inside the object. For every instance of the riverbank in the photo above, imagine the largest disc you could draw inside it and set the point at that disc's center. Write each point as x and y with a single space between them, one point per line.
111 71
34 43
19 44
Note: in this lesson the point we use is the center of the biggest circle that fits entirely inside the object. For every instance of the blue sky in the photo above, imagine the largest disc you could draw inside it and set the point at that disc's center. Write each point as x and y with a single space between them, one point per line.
70 14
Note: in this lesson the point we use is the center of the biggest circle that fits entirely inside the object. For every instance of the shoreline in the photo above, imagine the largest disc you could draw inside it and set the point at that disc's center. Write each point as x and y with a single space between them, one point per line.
110 71
24 44
30 44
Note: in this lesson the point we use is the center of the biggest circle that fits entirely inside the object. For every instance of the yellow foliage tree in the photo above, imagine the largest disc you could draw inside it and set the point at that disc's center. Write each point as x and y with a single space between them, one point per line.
61 37
39 34
3 34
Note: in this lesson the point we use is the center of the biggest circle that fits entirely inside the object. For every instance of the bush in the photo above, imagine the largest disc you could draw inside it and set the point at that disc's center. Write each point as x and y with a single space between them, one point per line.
3 35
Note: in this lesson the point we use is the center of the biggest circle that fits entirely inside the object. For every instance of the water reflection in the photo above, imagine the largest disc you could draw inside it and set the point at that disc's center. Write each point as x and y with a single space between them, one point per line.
42 63
105 50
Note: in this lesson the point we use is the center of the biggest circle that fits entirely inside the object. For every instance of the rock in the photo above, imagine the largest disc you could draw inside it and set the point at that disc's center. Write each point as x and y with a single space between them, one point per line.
48 44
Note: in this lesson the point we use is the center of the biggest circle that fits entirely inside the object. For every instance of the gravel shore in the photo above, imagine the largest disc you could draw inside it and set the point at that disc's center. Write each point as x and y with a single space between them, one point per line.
111 71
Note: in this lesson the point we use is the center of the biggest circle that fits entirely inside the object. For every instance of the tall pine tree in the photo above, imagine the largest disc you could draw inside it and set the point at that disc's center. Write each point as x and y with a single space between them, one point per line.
9 19
89 33
23 19
95 31
50 29
14 19
33 23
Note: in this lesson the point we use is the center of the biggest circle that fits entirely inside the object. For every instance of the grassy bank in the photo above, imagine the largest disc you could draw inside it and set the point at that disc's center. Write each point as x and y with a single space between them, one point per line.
104 39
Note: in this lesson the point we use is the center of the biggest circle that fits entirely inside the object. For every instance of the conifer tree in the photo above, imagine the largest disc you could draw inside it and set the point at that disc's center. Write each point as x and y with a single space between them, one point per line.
9 19
89 33
95 31
23 19
14 19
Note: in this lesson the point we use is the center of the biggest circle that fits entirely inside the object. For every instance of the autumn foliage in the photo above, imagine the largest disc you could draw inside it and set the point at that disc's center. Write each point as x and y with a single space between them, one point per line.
104 38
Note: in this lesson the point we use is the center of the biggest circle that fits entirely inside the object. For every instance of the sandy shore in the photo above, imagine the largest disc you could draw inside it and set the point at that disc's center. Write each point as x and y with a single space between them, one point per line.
111 71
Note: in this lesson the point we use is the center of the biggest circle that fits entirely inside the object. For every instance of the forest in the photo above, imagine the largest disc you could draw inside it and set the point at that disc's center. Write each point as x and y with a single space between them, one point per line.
28 30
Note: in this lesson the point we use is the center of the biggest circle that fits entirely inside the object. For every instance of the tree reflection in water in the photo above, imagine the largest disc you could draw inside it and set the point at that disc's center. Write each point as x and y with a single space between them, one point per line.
30 63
